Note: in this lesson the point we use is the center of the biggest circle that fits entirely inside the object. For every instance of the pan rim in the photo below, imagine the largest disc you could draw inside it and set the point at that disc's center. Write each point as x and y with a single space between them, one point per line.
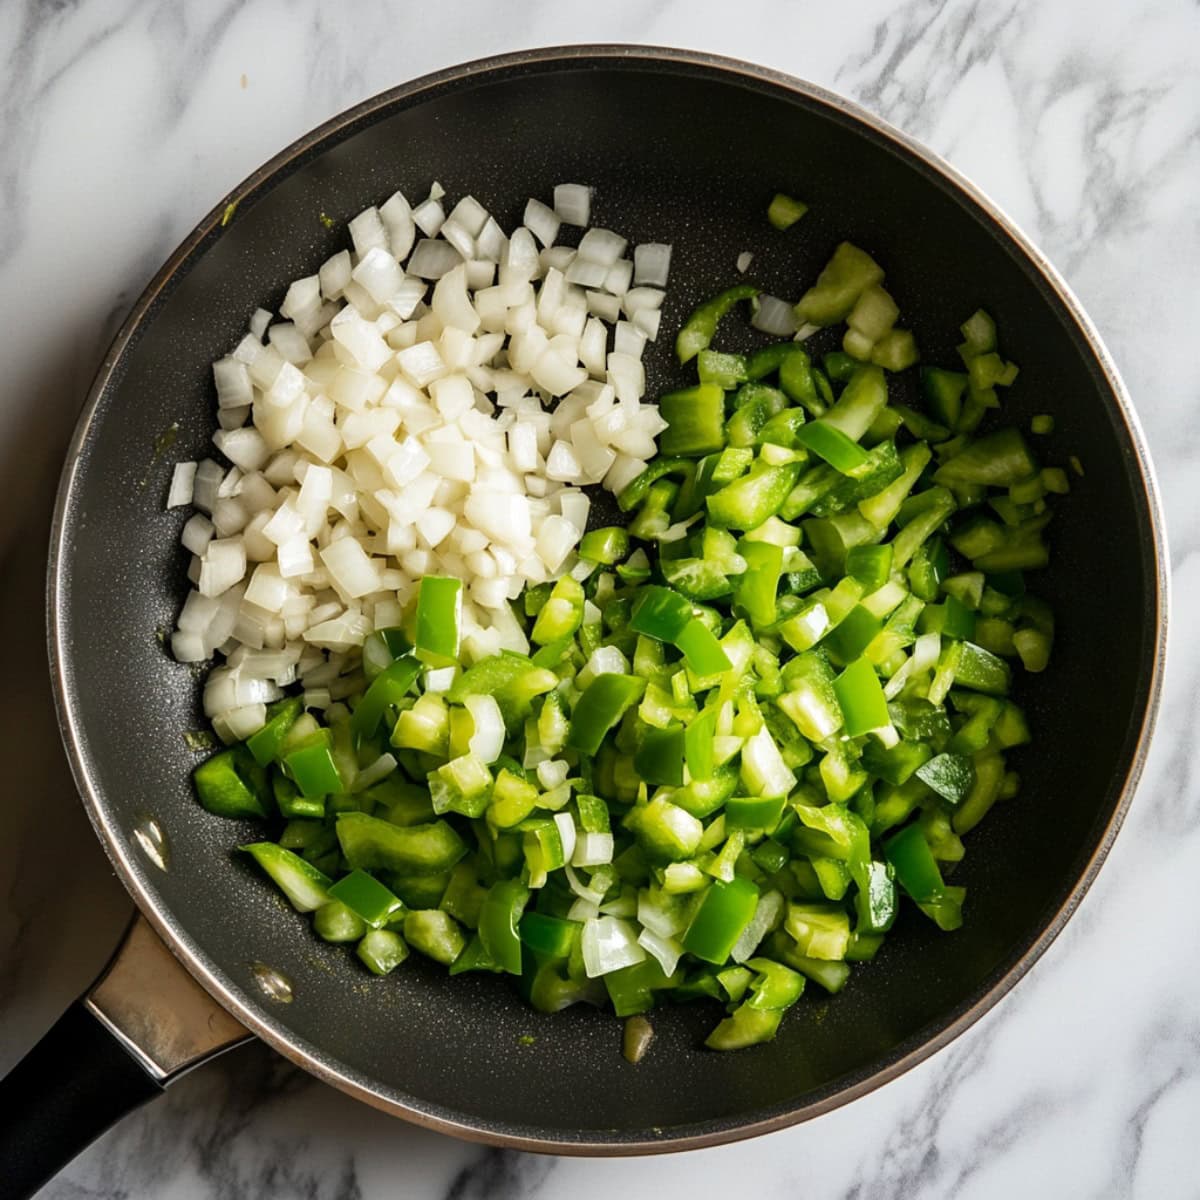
922 1044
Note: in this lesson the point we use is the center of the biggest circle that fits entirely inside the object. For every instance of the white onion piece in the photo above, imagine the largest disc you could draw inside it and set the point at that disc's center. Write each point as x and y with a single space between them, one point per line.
651 264
744 260
397 217
666 951
573 203
433 259
601 246
566 833
183 477
608 944
592 850
428 217
541 222
487 742
766 917
774 316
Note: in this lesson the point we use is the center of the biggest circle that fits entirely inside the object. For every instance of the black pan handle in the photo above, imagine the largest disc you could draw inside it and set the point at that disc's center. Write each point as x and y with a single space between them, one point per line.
142 1024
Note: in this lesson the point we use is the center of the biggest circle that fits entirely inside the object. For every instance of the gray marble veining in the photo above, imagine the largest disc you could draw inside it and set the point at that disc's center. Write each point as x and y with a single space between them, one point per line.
122 123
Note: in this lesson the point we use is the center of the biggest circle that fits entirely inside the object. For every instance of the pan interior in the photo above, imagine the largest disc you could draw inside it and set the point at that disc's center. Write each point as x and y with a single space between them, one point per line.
687 154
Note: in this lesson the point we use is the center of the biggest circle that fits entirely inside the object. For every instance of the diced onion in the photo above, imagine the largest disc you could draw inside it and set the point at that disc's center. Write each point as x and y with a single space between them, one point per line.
608 944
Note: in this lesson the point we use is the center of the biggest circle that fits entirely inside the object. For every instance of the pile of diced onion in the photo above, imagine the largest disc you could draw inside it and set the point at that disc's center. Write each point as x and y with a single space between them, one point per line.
432 402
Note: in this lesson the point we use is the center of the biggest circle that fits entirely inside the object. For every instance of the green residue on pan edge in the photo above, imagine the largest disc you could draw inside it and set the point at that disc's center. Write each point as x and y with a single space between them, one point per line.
227 215
199 740
162 443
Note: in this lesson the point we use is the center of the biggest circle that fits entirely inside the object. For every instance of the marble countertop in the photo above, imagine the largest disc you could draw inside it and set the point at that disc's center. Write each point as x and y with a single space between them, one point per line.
124 121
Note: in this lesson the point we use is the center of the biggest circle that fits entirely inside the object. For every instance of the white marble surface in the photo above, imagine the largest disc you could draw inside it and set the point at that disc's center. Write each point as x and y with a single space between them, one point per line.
122 121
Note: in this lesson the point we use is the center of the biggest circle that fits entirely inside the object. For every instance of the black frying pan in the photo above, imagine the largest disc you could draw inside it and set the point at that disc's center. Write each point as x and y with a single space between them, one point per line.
681 148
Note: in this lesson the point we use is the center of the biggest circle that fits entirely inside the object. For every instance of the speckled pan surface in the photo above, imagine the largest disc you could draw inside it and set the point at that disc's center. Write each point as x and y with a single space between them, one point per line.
684 149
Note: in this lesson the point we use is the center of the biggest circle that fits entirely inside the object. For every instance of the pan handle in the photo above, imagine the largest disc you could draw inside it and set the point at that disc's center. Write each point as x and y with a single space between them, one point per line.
139 1027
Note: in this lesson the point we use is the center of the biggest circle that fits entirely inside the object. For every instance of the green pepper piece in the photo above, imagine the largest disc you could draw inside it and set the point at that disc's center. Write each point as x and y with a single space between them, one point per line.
745 1026
861 699
862 400
311 766
929 566
754 812
364 895
561 615
631 989
724 370
602 705
913 862
870 565
435 934
875 902
335 922
511 678
695 420
950 775
666 832
439 615
819 930
659 759
281 716
784 211
551 937
474 958
845 277
499 920
982 671
305 887
832 445
943 391
388 688
852 635
754 593
381 951
898 763
228 785
605 546
700 328
702 651
660 613
748 501
997 460
370 843
768 359
723 913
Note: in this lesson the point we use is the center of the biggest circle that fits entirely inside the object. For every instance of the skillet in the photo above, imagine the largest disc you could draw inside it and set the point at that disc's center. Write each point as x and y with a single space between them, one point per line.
684 148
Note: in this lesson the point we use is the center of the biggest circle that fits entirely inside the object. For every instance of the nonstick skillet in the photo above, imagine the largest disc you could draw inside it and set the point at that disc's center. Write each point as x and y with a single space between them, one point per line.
683 148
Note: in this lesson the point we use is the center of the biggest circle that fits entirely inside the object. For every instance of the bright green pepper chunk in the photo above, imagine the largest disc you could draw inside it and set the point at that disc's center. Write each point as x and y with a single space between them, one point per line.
832 445
695 420
499 920
365 895
311 766
724 912
388 688
281 716
861 699
605 546
439 615
370 843
561 615
659 759
702 650
232 784
660 613
601 706
701 327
